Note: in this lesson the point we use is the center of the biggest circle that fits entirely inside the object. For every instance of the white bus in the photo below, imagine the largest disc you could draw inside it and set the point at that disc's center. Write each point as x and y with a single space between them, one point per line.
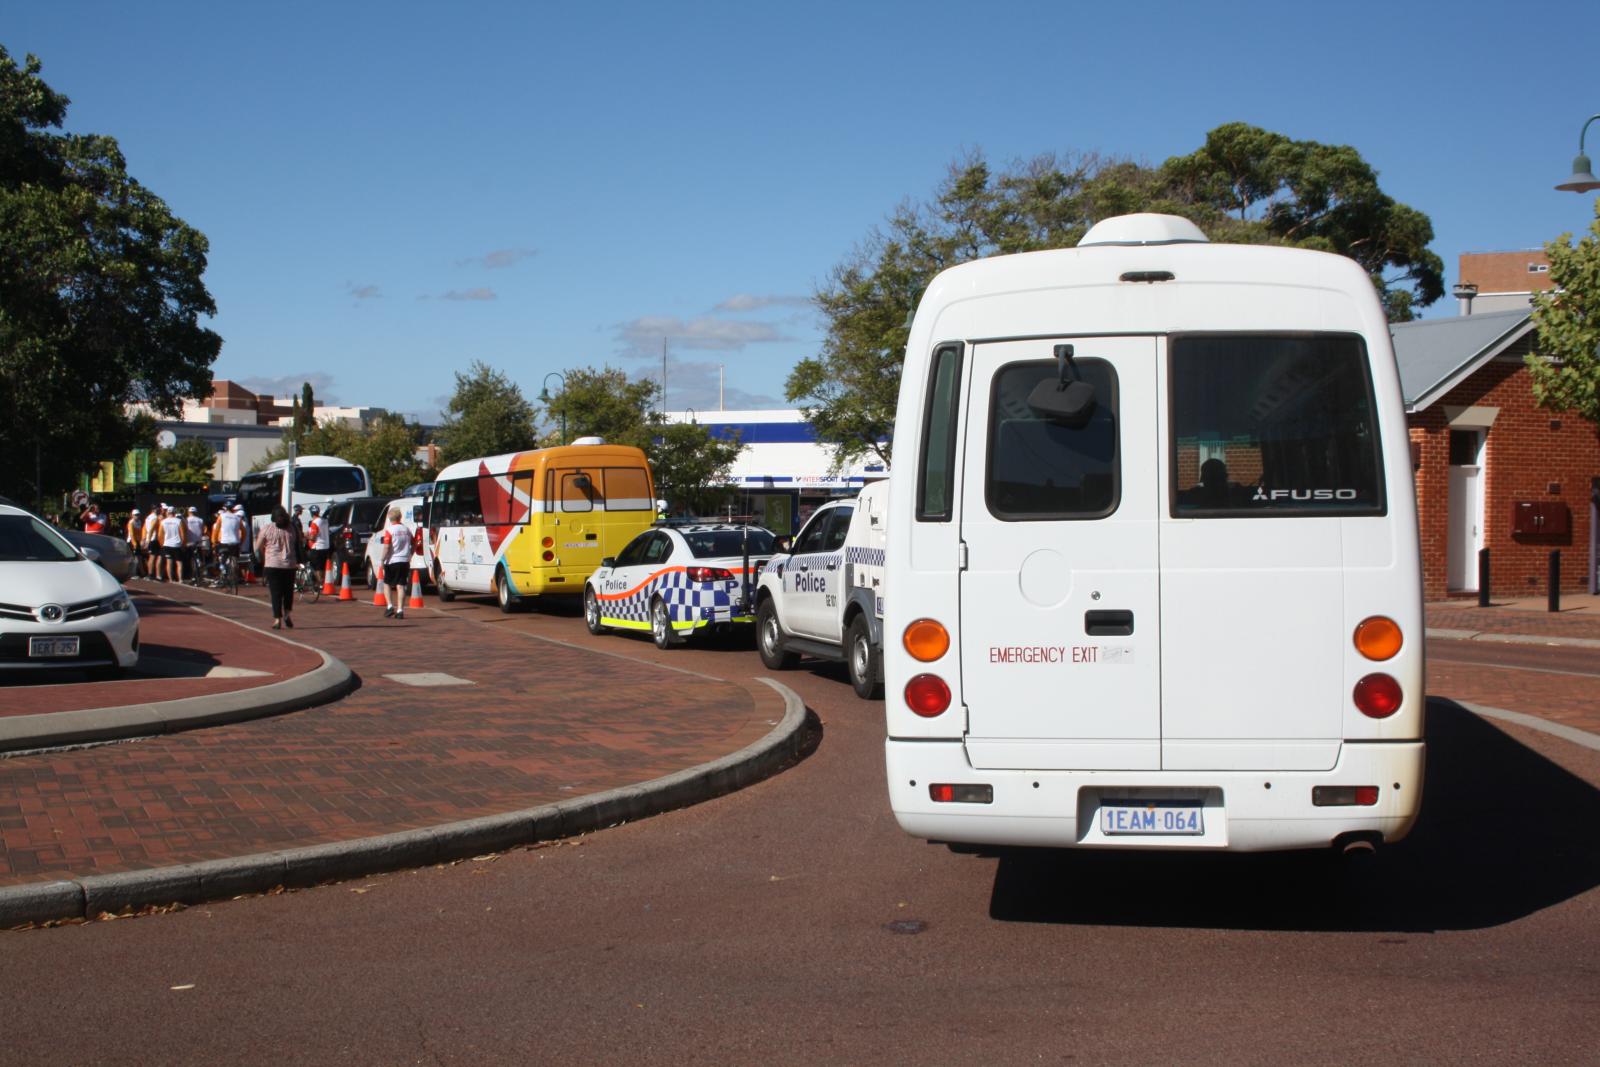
1153 553
317 480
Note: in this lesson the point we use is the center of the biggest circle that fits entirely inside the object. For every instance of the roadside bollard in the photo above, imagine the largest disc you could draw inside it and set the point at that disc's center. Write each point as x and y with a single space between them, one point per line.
1483 577
1554 579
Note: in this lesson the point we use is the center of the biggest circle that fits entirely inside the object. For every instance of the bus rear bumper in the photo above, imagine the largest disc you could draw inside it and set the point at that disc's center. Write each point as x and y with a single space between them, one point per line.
1245 811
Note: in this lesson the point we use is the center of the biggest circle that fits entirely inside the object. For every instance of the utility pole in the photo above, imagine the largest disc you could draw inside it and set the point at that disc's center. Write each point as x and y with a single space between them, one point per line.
663 381
720 368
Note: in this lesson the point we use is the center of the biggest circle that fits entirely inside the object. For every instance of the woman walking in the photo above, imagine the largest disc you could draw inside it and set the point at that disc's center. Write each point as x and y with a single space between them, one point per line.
278 550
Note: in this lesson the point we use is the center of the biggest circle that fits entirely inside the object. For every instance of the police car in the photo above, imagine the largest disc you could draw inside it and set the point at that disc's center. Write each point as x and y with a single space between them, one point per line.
675 580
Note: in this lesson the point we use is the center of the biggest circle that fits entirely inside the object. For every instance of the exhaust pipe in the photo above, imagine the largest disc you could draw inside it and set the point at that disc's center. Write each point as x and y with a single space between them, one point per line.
1360 843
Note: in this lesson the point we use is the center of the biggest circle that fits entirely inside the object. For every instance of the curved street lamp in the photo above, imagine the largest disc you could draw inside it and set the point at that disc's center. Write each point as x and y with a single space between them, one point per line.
544 398
1583 179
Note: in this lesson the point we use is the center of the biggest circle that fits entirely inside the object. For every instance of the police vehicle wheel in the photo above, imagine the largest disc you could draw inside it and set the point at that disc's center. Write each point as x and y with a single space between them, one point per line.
661 625
508 602
591 611
863 659
769 639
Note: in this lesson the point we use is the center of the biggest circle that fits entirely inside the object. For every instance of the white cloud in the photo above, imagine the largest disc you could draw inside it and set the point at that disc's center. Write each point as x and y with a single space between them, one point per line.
363 292
499 259
289 385
750 302
642 336
480 293
696 385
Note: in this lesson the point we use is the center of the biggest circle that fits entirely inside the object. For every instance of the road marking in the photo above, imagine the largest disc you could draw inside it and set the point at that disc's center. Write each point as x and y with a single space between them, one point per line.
1533 722
428 679
1509 667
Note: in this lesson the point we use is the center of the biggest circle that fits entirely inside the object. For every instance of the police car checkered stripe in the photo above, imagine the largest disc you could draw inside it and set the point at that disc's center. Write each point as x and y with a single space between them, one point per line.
686 601
867 557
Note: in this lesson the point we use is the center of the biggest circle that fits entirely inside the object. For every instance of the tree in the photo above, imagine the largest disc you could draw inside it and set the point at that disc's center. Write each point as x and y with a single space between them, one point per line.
185 463
1566 368
604 403
101 298
1244 185
303 412
692 467
486 416
387 447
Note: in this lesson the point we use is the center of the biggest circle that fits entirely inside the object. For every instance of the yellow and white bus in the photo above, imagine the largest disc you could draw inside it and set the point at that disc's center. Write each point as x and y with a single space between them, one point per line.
536 523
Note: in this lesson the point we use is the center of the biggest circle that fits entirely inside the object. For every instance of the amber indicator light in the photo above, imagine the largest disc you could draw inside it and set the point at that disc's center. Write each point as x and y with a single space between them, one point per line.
927 640
1378 638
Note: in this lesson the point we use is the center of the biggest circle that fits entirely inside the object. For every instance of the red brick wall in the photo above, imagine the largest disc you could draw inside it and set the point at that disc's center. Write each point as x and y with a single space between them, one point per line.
1527 451
1504 272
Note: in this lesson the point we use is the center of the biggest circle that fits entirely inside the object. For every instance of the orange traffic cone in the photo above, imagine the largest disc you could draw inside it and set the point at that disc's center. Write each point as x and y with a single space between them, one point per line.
344 582
378 599
415 600
327 580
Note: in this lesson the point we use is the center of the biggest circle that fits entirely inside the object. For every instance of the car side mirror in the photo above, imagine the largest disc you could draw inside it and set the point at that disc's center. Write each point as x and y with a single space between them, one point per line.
781 545
90 554
609 561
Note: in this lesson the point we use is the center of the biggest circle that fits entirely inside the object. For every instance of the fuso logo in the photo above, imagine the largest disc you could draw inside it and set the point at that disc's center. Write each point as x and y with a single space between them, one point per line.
1303 494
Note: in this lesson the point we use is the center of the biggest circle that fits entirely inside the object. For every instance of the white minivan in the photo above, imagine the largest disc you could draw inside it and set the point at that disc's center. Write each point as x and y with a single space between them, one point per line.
1153 546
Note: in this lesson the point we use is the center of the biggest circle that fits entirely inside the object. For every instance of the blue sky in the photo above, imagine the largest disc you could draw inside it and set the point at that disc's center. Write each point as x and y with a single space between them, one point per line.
392 190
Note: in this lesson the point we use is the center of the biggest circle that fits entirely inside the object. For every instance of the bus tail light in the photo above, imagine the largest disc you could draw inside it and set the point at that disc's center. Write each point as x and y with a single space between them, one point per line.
1378 638
961 794
547 555
1344 796
927 695
548 542
1378 696
927 640
709 574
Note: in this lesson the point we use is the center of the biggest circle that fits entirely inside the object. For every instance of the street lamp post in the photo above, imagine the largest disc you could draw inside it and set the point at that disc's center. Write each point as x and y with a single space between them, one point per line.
1583 179
544 398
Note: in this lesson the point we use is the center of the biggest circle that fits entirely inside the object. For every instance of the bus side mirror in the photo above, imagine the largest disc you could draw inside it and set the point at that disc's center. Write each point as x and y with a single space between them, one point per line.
609 561
582 482
1065 402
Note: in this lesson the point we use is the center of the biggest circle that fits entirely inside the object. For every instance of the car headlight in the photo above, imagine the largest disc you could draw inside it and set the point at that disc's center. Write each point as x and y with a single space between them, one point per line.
117 602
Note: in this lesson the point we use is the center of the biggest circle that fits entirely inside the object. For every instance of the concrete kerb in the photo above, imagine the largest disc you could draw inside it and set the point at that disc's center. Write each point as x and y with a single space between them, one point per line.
1511 639
314 864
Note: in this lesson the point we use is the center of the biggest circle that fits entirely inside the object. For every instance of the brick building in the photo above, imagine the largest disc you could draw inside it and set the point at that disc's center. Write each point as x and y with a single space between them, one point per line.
1493 470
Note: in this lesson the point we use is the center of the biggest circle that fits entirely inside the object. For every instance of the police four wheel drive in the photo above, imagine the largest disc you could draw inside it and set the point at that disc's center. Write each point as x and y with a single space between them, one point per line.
674 580
825 597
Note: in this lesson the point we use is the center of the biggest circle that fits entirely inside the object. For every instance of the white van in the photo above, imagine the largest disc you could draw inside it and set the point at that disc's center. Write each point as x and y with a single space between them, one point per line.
1153 547
824 596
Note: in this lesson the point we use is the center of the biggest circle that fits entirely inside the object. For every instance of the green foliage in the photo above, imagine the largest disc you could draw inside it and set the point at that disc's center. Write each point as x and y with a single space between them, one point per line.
603 403
692 468
303 412
487 416
185 463
101 298
387 448
1566 368
1245 185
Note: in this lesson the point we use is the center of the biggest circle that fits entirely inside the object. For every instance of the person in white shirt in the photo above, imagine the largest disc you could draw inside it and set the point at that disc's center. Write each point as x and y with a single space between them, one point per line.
318 542
397 547
230 532
195 543
152 542
172 539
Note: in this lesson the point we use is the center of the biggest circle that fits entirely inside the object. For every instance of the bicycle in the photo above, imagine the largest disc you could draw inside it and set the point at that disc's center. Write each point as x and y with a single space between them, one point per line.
307 582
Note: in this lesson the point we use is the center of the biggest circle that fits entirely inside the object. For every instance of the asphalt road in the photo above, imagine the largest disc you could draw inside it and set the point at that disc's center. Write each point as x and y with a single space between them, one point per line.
794 923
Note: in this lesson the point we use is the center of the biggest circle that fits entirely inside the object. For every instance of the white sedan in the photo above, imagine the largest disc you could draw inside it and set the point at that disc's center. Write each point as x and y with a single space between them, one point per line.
674 580
58 609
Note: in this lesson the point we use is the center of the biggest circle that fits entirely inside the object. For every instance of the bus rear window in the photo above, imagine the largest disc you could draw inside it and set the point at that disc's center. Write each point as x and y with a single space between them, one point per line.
1273 425
328 481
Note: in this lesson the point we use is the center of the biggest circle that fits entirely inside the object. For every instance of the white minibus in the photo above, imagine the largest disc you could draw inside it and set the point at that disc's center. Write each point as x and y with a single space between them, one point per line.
317 480
1153 553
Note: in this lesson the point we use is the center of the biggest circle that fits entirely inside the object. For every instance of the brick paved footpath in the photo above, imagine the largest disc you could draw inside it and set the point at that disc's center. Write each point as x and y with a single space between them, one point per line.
174 640
543 722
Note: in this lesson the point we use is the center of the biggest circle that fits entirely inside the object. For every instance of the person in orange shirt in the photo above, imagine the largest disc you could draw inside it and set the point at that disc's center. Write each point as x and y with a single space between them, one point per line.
133 533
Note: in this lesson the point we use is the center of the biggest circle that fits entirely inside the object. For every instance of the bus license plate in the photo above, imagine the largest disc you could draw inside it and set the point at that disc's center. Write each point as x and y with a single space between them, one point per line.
48 647
1152 817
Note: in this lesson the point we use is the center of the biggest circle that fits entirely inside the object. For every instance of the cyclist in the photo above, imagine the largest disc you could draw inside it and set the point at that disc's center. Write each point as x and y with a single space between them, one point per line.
228 533
194 539
318 543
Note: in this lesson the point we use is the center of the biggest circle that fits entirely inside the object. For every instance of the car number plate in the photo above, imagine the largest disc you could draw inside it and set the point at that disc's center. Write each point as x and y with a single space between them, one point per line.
48 647
1152 817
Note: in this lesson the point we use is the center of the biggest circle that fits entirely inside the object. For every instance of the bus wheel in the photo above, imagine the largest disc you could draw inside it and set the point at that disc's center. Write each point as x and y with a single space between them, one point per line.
509 601
863 659
769 639
591 611
661 625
